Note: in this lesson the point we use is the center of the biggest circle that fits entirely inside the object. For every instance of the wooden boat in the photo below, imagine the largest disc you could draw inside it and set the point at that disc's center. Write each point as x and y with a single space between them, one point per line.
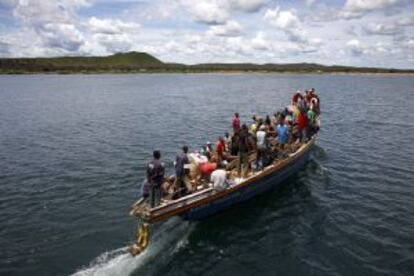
209 201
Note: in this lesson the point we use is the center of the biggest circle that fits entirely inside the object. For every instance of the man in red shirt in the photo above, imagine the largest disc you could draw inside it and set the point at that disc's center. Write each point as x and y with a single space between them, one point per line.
236 123
220 148
296 97
302 126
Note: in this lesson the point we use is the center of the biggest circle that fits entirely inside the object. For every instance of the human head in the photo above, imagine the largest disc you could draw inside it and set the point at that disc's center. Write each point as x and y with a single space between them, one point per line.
244 127
254 118
185 149
156 154
236 115
226 134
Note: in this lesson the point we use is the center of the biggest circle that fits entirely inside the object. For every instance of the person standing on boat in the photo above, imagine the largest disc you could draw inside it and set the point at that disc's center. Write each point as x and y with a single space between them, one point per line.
234 149
243 151
311 121
220 149
180 171
206 150
261 146
236 123
253 126
155 178
227 142
302 126
282 134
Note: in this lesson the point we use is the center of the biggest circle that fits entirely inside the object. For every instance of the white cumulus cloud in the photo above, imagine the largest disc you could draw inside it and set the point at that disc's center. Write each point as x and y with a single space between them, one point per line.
356 8
382 29
355 47
282 19
210 12
247 5
111 26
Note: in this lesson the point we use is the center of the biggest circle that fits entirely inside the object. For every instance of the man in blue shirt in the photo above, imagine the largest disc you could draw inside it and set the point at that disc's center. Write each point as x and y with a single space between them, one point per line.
282 134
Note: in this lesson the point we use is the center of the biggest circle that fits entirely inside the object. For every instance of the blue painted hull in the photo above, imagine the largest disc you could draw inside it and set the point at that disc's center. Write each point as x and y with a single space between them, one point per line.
261 186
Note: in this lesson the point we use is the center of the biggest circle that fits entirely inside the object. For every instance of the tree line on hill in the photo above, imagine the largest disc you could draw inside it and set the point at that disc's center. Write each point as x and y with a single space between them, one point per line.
135 62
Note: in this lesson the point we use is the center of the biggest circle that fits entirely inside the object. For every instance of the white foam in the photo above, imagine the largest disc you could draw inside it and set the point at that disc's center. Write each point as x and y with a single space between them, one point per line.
169 238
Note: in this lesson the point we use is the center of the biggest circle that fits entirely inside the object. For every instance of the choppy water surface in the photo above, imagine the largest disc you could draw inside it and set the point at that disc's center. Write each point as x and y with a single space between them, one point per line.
72 157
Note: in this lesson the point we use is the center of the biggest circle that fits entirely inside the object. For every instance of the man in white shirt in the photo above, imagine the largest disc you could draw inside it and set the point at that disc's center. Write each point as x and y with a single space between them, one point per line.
219 179
261 147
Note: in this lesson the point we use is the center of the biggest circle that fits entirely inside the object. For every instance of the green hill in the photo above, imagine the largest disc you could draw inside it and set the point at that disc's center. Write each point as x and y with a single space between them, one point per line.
127 61
132 62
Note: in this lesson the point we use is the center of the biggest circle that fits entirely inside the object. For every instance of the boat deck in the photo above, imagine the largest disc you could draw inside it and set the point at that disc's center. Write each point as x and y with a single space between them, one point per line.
206 193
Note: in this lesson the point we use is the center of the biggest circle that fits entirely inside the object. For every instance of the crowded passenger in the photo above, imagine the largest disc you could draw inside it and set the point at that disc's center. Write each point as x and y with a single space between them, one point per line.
302 122
266 137
180 171
260 146
227 141
244 147
219 178
220 149
282 134
155 178
236 123
253 126
207 150
234 149
206 169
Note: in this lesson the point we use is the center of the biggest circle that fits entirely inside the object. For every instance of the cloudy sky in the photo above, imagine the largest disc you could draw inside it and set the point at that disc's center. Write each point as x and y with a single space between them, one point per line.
349 32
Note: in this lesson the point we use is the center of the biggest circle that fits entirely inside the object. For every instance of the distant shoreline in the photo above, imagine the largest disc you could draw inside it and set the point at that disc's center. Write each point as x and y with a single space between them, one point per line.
144 63
219 72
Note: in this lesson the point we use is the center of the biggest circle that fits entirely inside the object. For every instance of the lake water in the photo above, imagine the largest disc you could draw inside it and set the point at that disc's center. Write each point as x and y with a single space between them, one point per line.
72 156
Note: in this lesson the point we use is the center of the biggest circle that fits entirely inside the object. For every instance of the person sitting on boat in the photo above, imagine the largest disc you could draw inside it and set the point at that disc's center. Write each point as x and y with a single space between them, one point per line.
236 123
261 147
155 178
206 169
219 178
180 172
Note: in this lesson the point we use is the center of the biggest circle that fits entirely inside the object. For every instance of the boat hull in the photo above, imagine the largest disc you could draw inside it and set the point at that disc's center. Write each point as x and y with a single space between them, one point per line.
266 183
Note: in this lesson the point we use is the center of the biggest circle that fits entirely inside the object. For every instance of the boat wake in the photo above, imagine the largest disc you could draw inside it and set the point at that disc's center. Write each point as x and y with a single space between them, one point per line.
170 237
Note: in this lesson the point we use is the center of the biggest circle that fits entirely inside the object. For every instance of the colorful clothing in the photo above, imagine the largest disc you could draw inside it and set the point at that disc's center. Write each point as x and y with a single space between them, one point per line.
282 134
236 124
